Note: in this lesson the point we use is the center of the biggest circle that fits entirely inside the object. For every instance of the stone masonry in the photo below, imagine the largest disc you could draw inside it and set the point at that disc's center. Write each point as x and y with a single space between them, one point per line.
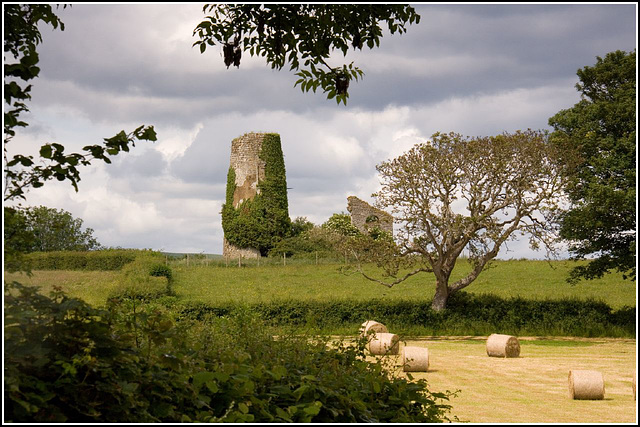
249 170
365 217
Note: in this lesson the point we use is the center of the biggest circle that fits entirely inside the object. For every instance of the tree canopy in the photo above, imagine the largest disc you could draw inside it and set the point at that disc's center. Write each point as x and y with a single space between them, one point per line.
43 229
303 36
599 132
457 193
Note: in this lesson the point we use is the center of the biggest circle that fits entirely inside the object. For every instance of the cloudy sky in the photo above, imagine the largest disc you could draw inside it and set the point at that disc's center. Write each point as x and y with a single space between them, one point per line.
473 69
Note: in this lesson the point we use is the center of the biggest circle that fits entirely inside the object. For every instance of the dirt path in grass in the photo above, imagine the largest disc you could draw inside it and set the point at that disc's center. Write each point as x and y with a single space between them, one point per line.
532 388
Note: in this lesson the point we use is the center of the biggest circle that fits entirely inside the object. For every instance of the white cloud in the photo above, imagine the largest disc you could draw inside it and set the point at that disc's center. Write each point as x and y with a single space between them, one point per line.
174 141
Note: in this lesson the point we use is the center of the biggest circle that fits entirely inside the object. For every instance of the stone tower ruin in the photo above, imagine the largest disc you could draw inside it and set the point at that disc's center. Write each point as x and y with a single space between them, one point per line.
365 217
249 167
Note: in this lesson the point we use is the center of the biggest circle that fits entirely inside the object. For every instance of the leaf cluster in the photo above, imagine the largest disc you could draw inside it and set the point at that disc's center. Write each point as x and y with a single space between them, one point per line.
21 38
302 36
22 172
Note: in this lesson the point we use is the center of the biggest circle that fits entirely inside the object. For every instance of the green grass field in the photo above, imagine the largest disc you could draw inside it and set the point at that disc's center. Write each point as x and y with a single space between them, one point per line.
219 284
528 279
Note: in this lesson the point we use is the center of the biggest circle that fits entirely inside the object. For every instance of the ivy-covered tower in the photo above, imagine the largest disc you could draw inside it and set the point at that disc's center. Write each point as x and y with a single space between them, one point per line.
255 214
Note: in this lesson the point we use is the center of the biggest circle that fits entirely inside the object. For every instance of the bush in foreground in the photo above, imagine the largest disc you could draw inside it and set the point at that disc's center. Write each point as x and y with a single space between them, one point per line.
66 361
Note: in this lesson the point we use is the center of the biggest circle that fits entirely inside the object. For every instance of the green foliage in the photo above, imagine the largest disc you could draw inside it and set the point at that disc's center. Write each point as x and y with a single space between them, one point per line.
598 135
58 230
23 173
102 260
466 314
161 270
18 240
300 225
68 362
341 224
319 241
303 36
21 38
62 363
273 190
264 220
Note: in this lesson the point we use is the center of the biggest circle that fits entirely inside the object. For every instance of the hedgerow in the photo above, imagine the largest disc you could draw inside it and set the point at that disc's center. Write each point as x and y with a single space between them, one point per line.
102 260
466 314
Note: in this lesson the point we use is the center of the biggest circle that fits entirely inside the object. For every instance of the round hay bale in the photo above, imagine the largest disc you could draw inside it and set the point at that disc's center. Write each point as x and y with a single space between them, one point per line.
415 359
503 346
634 386
384 343
372 326
586 385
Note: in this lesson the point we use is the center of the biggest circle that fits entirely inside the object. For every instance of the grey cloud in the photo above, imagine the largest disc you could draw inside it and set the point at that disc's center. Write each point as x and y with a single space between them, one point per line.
508 46
144 163
538 41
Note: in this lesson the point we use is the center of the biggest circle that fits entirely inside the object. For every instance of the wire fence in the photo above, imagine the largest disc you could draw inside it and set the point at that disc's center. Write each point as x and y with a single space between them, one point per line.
208 260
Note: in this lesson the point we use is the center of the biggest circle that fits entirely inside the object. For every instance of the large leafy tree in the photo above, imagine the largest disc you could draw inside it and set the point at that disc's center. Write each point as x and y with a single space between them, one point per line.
600 133
304 36
57 230
45 229
42 229
457 193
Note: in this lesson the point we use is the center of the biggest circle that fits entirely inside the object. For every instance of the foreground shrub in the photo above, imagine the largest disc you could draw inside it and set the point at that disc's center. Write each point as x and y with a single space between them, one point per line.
68 362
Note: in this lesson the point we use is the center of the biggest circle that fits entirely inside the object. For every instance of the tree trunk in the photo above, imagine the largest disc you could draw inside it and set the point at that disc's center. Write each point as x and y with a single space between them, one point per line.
441 296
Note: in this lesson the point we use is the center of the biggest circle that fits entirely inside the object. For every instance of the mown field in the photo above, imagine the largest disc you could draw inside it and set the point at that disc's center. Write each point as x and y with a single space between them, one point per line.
532 388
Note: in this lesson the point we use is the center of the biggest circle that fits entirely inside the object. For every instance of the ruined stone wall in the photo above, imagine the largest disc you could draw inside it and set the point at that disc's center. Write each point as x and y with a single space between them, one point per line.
249 170
233 252
365 217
